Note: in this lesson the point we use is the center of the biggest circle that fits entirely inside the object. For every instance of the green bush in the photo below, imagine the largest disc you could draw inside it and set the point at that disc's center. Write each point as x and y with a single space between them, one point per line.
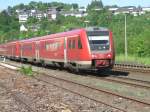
27 70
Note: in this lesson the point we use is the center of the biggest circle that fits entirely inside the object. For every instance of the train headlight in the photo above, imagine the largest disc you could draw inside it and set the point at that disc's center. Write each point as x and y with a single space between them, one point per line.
94 56
109 55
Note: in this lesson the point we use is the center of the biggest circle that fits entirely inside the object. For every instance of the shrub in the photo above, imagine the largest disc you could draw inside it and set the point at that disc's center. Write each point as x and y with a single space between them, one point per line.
27 70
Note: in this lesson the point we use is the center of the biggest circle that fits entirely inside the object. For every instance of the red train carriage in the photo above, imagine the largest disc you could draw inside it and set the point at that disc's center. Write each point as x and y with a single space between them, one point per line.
2 50
27 50
12 50
64 49
90 48
101 47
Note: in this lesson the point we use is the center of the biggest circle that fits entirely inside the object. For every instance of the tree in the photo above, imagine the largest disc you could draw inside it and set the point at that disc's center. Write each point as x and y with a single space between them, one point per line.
33 5
138 32
32 20
95 4
75 6
20 6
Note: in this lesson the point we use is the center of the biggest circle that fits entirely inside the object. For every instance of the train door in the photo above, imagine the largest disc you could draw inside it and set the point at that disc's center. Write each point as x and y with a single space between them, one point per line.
65 50
37 55
13 51
21 48
72 53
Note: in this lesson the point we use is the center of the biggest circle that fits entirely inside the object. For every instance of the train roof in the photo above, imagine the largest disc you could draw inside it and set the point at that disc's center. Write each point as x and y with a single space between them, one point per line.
62 34
67 33
11 42
96 29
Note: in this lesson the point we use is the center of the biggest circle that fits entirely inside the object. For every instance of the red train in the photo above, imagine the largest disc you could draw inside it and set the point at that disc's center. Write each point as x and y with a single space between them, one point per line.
90 48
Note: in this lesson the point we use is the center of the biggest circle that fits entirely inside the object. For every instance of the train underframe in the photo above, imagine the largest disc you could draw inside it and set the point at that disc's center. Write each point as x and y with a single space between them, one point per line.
94 65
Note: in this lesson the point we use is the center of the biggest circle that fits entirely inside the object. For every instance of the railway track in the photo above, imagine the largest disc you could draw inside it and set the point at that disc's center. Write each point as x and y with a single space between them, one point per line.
18 98
126 81
132 79
59 82
132 67
53 82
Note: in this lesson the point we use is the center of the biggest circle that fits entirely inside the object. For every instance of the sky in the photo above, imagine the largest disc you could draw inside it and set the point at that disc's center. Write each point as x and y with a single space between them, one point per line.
145 3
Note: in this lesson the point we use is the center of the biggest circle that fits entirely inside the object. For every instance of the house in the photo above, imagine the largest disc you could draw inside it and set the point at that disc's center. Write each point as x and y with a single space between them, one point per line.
32 13
23 17
52 13
122 11
40 15
82 9
73 13
34 28
146 9
129 7
127 10
135 12
23 28
142 12
113 9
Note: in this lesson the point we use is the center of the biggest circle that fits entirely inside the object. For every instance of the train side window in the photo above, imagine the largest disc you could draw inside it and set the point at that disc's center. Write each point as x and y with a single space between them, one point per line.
46 45
79 43
73 44
70 44
37 46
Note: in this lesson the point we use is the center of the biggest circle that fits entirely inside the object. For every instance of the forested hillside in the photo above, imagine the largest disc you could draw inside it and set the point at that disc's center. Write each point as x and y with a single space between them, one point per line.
138 27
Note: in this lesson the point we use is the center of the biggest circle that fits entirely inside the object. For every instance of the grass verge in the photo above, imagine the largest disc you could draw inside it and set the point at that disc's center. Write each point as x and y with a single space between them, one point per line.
133 59
26 70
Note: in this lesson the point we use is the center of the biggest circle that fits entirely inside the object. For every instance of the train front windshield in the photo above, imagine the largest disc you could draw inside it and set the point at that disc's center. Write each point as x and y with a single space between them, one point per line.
99 40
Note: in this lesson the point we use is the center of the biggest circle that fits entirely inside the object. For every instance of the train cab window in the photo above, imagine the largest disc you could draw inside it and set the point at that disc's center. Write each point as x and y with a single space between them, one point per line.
99 40
79 43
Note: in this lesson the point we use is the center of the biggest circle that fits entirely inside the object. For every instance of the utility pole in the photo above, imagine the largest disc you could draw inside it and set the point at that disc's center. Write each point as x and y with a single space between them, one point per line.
86 23
126 47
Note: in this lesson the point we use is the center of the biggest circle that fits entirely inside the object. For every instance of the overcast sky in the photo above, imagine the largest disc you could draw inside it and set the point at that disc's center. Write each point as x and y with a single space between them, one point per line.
146 3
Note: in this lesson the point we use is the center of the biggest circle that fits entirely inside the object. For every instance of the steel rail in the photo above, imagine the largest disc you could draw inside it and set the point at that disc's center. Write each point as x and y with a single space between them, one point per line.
78 93
117 80
101 90
105 91
132 68
132 79
17 98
